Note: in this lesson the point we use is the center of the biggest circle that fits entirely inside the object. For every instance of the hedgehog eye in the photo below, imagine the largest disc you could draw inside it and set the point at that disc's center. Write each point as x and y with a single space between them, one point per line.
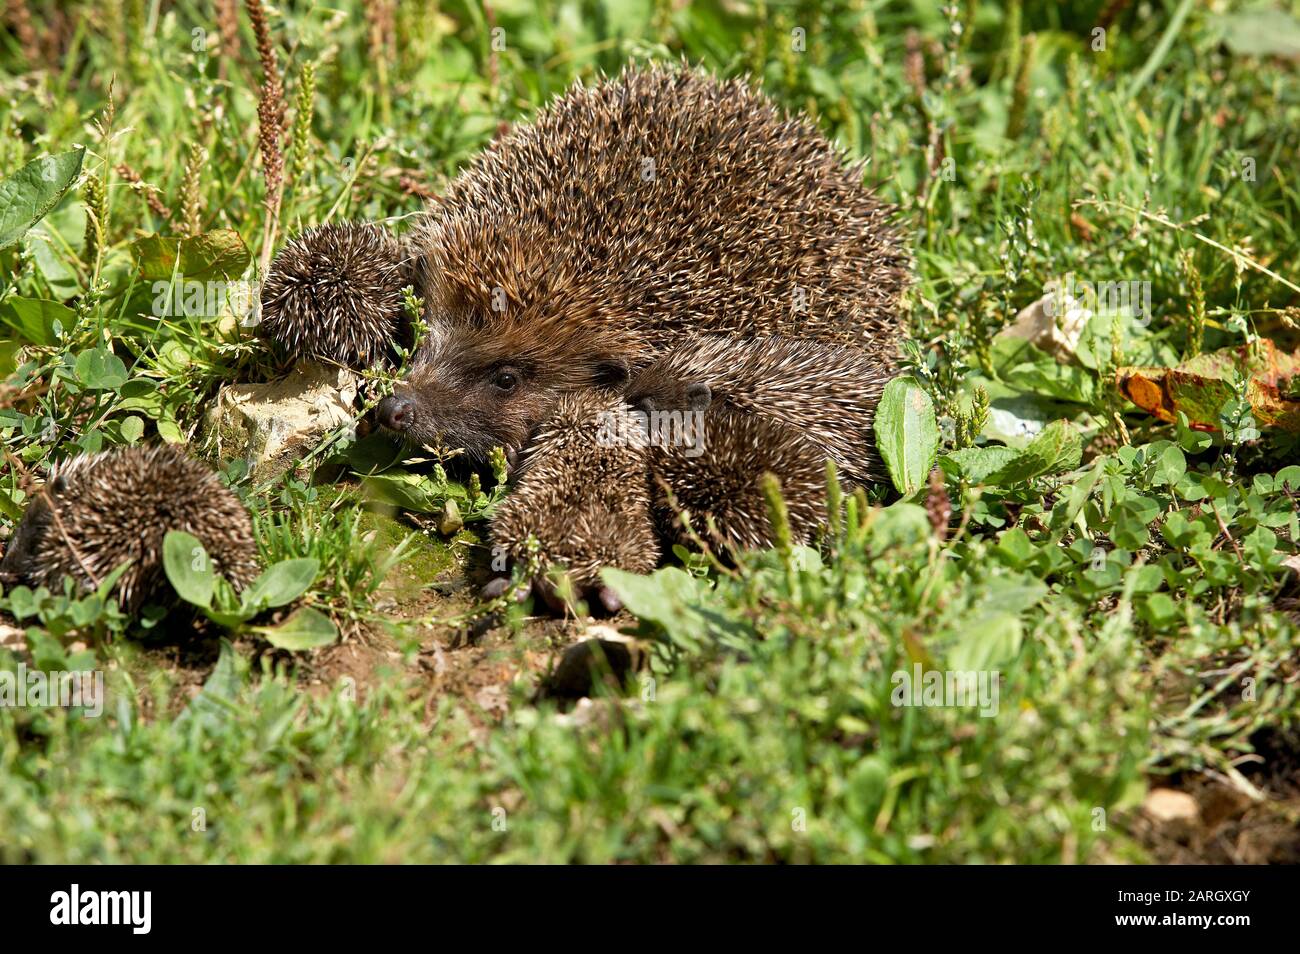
505 380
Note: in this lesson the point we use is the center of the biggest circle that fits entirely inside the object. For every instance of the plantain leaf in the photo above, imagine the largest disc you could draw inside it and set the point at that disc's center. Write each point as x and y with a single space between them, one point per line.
907 434
306 628
280 584
220 253
188 568
29 194
36 320
1057 448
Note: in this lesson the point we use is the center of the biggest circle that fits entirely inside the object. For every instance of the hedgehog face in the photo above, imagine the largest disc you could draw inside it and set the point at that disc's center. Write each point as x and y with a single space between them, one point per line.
474 390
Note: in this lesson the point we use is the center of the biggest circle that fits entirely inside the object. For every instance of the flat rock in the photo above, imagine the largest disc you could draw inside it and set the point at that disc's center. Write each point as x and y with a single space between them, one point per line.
271 426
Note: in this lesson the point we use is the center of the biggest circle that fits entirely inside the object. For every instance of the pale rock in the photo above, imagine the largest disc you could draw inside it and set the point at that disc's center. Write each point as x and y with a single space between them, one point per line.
271 426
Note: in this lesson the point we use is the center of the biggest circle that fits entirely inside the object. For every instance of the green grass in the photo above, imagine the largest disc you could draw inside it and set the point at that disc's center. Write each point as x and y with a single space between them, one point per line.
1130 600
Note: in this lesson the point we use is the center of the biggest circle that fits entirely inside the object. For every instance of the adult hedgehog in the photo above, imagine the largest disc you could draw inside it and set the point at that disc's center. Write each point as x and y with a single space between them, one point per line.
627 214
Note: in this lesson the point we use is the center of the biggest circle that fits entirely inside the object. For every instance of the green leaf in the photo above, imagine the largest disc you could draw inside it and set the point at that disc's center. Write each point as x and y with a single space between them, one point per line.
51 261
306 628
132 429
986 643
1260 32
29 194
220 253
675 602
36 320
1016 546
403 490
100 370
374 453
188 568
1057 448
280 584
216 701
1169 465
907 434
977 463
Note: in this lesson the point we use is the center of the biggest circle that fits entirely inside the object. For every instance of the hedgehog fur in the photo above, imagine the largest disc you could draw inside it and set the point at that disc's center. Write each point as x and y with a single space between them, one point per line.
581 491
628 214
825 394
700 427
715 477
335 293
97 511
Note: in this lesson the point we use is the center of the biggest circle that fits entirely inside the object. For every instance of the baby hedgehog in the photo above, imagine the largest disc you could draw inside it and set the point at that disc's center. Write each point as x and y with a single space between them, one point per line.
335 293
707 458
700 427
825 394
582 492
97 511
627 214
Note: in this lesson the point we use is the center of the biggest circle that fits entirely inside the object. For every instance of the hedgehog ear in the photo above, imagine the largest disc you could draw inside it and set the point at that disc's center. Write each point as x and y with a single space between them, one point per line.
611 373
698 396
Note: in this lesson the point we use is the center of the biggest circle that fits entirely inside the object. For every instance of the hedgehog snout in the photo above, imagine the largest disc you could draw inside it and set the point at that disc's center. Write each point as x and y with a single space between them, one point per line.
396 412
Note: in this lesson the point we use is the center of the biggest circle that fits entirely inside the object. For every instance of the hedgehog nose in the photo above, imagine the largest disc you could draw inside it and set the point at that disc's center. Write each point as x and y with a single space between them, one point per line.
396 412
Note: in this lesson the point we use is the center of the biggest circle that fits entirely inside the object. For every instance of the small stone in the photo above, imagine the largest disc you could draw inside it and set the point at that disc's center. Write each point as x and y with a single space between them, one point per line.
1168 806
1052 323
449 521
11 637
271 426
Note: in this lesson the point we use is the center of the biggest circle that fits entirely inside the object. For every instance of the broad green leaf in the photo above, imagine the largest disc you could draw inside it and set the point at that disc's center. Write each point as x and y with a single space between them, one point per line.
1016 546
1057 448
907 434
1260 32
50 261
8 357
9 506
188 568
373 454
306 628
36 320
132 429
100 370
986 643
29 194
404 490
220 253
216 701
1169 465
675 603
281 584
1076 496
977 463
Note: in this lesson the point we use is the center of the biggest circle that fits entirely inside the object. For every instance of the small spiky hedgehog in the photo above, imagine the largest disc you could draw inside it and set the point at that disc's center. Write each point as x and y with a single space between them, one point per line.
699 427
710 392
582 492
97 511
336 293
627 214
826 394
